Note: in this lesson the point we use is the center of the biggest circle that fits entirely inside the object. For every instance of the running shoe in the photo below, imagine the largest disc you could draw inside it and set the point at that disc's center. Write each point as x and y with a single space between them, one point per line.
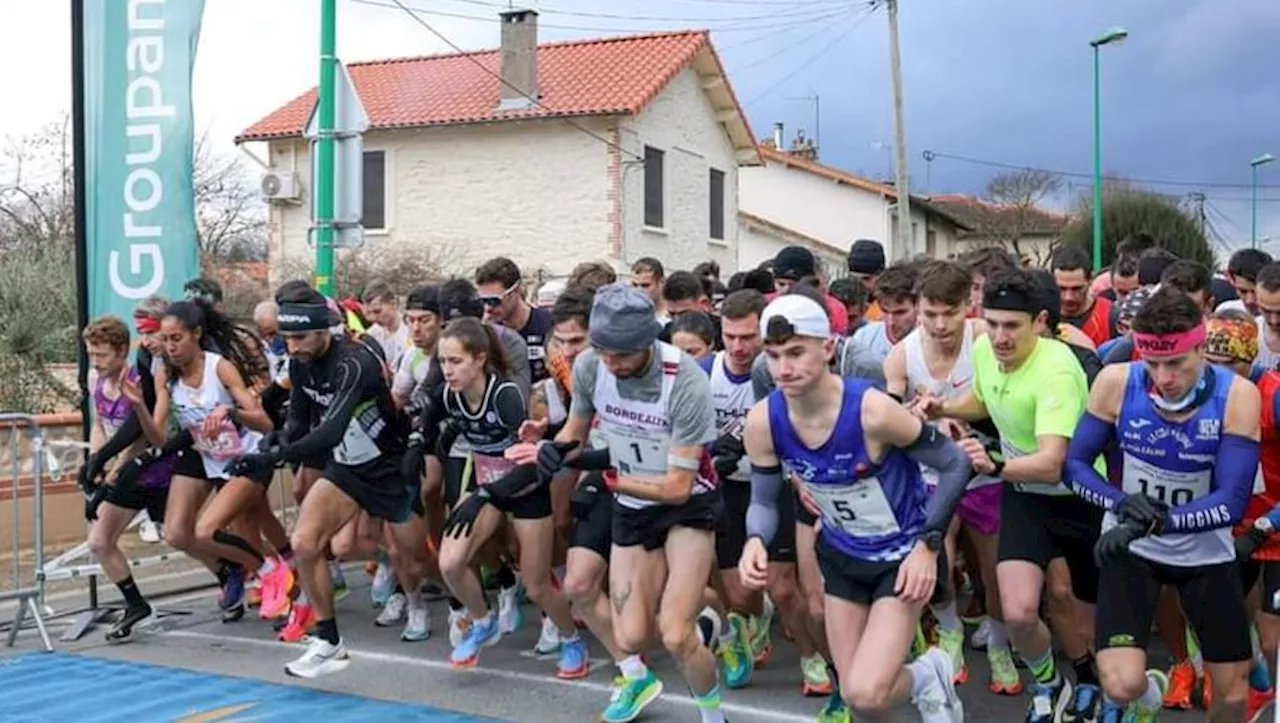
630 697
761 634
510 614
232 588
981 636
815 681
459 624
150 532
1083 706
1259 705
301 618
418 626
937 700
122 630
735 656
835 711
1139 713
549 639
951 642
383 585
1048 700
339 579
320 658
481 635
1182 678
1004 674
277 590
1111 712
393 612
574 663
919 643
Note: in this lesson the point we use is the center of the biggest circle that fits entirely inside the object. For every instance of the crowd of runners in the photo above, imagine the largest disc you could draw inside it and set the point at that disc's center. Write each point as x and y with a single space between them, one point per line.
1069 461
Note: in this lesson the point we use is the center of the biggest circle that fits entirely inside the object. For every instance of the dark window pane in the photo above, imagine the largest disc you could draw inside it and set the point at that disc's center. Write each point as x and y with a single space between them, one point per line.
653 207
375 190
717 204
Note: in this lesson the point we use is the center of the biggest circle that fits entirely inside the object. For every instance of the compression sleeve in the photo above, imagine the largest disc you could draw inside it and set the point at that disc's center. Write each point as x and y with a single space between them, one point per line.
273 403
512 483
933 449
1233 476
298 418
146 380
126 435
592 460
762 514
1091 437
350 377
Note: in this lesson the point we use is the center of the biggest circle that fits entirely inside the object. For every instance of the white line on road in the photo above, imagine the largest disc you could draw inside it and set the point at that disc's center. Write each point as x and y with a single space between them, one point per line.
734 708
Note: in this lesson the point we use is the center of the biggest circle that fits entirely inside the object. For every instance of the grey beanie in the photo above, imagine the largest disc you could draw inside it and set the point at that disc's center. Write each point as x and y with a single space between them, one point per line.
623 319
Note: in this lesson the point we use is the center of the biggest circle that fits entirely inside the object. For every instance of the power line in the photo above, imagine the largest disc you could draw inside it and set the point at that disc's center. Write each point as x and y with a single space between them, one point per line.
816 56
773 3
930 155
777 31
651 18
787 46
472 58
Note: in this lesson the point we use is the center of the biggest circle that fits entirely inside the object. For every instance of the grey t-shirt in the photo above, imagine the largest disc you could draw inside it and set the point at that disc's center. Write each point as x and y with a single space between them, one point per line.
517 356
852 359
693 418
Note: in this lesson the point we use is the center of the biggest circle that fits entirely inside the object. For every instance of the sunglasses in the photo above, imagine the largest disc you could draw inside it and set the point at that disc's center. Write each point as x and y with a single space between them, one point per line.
498 299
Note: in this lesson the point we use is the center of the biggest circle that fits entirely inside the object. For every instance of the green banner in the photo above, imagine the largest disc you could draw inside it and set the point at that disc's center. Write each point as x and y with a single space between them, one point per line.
139 136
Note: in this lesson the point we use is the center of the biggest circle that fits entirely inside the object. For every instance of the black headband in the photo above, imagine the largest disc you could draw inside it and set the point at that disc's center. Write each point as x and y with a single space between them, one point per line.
1006 299
304 317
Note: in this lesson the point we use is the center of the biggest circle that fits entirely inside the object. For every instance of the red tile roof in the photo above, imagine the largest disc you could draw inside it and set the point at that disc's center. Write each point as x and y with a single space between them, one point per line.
575 78
984 216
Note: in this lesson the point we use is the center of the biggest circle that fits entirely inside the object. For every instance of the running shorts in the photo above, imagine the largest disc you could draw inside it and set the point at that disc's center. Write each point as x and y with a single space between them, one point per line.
1038 528
864 581
1212 598
535 505
191 464
980 508
1269 572
731 532
648 527
595 531
379 488
140 497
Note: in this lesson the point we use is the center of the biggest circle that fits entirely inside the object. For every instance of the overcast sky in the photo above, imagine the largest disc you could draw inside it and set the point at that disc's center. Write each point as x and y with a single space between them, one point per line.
1192 96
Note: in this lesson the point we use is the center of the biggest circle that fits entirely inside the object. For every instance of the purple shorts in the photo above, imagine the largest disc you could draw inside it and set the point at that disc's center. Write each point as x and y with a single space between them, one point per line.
980 508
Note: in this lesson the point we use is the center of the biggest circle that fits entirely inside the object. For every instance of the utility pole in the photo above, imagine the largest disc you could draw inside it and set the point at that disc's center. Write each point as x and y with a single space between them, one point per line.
906 239
1197 201
324 178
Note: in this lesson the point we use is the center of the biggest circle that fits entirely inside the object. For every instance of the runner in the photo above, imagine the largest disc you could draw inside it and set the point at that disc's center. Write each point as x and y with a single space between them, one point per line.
344 381
112 506
382 307
857 454
1188 432
502 293
937 358
654 409
488 409
896 296
1080 308
1034 390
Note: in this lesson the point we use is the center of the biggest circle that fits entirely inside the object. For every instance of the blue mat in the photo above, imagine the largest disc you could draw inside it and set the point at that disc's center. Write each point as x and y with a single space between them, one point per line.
40 687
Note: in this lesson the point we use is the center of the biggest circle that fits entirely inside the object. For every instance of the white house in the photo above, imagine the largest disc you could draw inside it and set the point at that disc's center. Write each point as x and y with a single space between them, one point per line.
1026 230
794 199
608 149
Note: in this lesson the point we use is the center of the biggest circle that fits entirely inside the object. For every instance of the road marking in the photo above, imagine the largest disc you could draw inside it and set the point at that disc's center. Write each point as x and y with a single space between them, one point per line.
440 665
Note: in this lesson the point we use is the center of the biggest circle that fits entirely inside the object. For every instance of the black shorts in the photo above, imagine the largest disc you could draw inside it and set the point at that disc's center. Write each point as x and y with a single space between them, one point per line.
783 547
1212 598
533 506
140 497
453 469
731 528
802 514
595 531
317 462
648 527
191 464
864 581
1038 528
379 488
1269 572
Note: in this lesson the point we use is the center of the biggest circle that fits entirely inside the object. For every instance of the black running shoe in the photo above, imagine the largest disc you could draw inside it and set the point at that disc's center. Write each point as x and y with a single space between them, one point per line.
123 629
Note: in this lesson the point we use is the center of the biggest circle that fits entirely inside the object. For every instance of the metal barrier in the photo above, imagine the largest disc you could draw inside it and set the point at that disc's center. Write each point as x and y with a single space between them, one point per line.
29 597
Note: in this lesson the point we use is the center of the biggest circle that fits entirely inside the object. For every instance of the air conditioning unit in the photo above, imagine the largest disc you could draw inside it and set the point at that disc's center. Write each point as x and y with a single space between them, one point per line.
281 186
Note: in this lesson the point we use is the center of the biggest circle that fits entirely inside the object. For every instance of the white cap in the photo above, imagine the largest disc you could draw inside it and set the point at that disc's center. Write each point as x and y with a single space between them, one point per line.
803 315
549 292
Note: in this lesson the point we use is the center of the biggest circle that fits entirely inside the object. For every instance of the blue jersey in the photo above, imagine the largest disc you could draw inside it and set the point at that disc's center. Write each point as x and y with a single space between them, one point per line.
870 511
1173 462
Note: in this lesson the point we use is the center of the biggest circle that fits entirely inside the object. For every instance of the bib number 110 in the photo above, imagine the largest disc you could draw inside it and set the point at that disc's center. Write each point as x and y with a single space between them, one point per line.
1170 495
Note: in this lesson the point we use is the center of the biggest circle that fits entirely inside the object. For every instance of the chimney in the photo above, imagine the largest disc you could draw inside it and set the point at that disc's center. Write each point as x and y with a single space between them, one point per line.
803 147
777 137
519 59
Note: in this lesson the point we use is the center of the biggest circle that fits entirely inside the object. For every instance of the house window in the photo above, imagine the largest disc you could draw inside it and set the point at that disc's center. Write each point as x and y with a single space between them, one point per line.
717 204
375 190
653 187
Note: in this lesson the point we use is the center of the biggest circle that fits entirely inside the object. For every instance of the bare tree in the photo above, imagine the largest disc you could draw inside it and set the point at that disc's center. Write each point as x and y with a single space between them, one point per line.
231 217
1013 211
402 269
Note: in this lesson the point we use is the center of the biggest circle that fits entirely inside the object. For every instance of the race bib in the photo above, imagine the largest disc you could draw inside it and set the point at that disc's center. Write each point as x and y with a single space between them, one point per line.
490 469
356 447
860 509
636 454
226 444
1174 488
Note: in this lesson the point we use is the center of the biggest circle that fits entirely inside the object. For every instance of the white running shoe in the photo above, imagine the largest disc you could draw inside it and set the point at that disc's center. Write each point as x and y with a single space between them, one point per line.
393 612
937 701
458 626
510 616
982 636
383 585
149 532
549 639
321 658
418 626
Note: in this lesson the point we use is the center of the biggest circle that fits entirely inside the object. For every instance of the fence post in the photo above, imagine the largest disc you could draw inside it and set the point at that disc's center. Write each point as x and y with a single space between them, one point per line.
28 597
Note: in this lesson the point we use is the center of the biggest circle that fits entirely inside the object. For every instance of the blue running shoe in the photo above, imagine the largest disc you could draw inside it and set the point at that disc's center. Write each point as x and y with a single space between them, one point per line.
630 697
232 588
574 663
481 634
1083 706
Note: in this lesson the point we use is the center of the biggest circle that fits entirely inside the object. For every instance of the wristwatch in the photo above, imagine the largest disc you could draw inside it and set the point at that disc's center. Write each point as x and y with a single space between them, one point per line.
932 540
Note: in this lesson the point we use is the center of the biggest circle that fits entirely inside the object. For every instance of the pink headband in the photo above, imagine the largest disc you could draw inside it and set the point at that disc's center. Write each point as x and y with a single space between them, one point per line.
1162 345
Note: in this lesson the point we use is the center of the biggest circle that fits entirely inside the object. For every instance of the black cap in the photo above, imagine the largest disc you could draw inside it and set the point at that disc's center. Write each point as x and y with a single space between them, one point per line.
866 257
794 262
424 298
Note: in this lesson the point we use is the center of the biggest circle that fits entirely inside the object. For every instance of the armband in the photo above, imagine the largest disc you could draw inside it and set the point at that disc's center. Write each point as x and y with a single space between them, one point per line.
686 463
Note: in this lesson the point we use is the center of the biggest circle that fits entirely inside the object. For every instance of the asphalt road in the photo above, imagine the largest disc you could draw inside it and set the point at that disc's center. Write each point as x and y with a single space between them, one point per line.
509 684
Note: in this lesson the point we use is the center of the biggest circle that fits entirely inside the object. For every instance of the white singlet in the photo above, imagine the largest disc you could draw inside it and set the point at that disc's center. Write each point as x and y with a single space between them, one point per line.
193 404
733 399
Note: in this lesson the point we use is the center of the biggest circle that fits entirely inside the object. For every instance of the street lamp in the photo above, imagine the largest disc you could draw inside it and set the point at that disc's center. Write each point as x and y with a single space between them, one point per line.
1263 159
1114 34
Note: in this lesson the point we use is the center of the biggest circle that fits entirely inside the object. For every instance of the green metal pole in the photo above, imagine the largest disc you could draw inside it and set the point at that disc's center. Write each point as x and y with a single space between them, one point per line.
1097 163
323 189
1253 207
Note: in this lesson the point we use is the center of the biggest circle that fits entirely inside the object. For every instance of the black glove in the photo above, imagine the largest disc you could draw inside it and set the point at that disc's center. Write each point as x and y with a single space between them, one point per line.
92 502
271 440
464 515
1143 511
583 498
1248 542
446 439
726 453
89 473
1114 543
252 464
551 458
414 462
